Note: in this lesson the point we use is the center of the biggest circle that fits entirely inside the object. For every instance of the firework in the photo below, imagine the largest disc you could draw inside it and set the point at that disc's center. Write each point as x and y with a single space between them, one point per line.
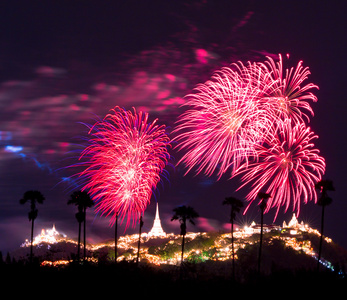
285 95
123 163
287 168
224 124
251 119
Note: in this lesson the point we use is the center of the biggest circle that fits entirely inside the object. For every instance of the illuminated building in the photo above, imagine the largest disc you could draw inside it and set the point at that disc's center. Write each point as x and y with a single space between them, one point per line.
157 230
256 228
49 236
294 226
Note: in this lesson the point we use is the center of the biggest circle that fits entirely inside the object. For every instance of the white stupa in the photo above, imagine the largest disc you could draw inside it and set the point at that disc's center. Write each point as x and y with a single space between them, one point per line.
48 236
157 230
294 225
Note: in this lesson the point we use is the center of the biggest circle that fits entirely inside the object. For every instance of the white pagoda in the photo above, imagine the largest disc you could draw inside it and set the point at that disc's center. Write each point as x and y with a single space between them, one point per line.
294 225
157 230
49 236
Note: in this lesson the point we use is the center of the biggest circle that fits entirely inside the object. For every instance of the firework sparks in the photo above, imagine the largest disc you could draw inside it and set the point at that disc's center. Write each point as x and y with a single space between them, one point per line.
250 119
124 161
287 169
224 123
286 95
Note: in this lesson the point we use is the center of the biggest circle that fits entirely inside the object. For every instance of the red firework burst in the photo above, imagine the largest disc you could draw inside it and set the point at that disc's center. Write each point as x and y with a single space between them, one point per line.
287 169
224 124
123 163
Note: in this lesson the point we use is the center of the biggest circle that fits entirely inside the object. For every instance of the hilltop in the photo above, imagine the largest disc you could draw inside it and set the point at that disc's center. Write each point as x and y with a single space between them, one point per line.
293 246
287 261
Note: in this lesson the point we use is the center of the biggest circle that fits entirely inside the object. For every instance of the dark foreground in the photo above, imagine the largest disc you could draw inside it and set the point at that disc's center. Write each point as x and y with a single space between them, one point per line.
194 280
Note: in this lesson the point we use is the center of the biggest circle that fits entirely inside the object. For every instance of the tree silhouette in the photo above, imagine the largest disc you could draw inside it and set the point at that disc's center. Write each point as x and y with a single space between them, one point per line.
262 205
116 238
33 197
182 214
323 186
139 241
82 200
236 205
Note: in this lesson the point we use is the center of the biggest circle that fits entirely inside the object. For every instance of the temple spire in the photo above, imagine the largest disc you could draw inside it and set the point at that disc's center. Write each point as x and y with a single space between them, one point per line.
156 230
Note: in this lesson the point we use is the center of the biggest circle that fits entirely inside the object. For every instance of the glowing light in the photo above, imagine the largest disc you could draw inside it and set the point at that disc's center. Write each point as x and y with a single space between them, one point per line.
218 250
56 263
157 230
123 163
287 169
48 236
224 122
249 119
13 149
285 93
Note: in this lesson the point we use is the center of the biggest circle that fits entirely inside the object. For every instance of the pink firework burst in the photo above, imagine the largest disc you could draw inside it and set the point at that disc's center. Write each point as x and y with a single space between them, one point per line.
250 119
123 163
287 169
224 122
286 95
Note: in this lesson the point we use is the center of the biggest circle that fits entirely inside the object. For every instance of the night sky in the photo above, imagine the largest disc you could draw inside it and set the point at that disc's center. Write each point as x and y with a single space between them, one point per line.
65 63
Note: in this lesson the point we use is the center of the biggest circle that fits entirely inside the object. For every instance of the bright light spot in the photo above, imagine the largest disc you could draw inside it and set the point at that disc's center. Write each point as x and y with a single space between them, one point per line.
13 149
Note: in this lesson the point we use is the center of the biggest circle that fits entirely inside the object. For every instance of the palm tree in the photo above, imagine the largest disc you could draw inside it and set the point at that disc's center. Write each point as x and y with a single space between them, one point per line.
182 214
236 205
32 197
262 205
324 200
116 238
82 200
139 242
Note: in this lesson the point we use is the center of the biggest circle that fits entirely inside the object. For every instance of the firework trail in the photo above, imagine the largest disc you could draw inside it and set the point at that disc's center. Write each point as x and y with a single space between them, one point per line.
287 169
123 163
224 124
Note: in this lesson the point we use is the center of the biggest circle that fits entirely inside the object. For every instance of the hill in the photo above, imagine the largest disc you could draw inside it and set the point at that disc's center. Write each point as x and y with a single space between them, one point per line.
287 262
282 249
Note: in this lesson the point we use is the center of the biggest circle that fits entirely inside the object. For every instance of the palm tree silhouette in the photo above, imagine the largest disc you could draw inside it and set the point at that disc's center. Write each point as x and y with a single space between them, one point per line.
323 201
262 205
33 197
82 200
139 242
236 205
182 214
116 238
